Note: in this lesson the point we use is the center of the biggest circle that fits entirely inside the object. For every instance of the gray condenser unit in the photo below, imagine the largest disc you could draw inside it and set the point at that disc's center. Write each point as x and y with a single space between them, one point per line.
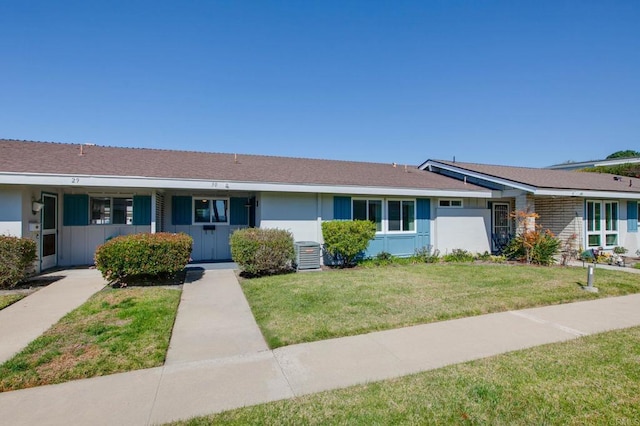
307 255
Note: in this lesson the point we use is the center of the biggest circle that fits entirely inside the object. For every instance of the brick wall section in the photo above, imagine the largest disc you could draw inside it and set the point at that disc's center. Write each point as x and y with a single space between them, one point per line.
563 216
525 203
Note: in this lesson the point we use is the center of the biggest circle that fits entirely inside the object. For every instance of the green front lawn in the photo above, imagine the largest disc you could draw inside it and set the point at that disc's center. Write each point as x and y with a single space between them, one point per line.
9 299
305 307
593 380
116 330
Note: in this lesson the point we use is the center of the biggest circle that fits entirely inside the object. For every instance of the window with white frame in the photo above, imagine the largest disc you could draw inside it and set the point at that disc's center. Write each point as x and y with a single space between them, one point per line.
450 202
602 223
368 210
401 215
111 210
210 210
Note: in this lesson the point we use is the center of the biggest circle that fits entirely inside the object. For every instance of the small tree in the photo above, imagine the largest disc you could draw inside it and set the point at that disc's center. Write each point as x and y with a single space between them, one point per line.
344 240
531 243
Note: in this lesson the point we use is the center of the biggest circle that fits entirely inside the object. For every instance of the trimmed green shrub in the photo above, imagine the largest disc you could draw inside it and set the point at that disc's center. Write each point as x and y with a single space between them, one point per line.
128 256
16 258
262 251
345 240
458 255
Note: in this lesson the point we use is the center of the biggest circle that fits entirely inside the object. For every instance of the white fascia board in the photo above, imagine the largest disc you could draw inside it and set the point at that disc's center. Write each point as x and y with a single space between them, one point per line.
493 179
588 194
85 181
616 162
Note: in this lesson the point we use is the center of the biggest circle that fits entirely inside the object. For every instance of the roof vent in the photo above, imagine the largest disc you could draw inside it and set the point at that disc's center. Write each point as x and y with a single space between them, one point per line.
82 145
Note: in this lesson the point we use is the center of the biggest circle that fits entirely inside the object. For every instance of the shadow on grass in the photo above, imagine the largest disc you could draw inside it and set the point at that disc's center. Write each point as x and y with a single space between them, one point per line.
145 280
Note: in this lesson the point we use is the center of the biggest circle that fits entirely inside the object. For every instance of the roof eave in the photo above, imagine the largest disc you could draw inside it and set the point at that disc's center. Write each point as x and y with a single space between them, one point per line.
586 193
92 181
489 178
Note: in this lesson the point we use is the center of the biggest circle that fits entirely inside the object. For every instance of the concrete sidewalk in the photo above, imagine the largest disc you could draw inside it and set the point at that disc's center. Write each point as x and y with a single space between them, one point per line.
28 318
214 319
204 380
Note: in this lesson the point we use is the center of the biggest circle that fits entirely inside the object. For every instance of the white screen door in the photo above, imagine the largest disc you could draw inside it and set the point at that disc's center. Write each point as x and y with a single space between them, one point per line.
49 234
501 225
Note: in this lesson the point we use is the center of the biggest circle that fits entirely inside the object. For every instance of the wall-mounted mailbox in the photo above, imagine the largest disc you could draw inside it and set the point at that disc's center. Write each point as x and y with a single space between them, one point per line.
34 227
209 227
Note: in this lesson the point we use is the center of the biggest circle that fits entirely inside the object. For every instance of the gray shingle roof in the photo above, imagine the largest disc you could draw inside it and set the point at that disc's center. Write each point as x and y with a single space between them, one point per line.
552 179
58 158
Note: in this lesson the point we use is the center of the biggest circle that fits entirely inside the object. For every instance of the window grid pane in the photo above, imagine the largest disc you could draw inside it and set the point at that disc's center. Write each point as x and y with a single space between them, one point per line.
202 211
219 211
408 220
123 211
394 215
100 211
359 209
375 213
594 240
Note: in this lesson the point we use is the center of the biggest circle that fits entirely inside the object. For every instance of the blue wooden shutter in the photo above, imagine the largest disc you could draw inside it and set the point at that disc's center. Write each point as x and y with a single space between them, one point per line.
76 210
181 210
142 210
238 211
341 208
423 225
424 209
632 216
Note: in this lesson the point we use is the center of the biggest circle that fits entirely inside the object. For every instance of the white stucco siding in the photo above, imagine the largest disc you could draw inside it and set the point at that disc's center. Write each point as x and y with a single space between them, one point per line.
11 217
466 228
297 213
629 240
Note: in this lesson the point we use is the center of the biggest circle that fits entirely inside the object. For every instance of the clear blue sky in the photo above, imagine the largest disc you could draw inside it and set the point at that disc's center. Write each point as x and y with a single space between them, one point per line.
528 83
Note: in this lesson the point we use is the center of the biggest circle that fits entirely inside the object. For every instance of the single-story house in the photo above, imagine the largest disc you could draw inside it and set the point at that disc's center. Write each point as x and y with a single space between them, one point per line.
70 198
600 210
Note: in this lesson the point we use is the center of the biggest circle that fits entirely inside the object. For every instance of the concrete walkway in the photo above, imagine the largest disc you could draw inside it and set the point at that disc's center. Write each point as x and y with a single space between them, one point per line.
204 377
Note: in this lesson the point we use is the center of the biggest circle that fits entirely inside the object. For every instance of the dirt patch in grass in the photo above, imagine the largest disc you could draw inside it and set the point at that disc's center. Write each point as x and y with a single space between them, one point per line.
116 330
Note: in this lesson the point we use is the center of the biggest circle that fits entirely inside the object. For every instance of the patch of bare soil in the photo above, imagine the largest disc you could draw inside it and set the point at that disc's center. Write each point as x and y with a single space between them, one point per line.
31 285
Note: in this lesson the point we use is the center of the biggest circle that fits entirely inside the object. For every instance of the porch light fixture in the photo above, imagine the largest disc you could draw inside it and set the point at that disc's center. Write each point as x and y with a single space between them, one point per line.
36 206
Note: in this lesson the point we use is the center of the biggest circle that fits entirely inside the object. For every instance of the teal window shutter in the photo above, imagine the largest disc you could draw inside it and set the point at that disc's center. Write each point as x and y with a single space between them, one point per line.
238 211
632 216
342 208
424 208
423 216
76 210
181 210
142 210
